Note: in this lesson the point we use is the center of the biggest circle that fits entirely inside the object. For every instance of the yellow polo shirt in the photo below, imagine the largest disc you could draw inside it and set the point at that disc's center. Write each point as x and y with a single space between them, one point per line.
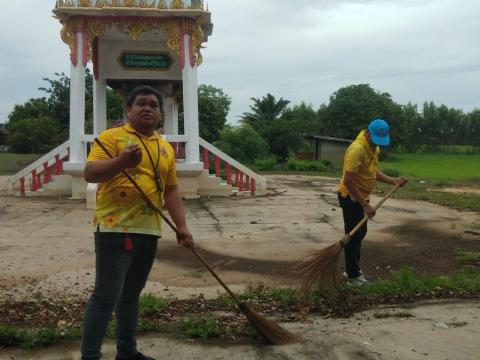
120 207
362 161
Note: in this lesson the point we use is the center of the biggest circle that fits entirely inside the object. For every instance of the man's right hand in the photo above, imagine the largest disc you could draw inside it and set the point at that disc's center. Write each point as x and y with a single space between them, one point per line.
369 210
131 156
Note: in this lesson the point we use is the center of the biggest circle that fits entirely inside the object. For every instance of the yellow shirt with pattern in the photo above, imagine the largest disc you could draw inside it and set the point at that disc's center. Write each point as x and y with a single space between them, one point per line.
120 207
361 160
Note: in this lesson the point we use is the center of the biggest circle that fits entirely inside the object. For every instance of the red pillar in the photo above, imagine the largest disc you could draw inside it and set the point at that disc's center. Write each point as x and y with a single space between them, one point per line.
22 186
247 182
228 173
217 166
46 173
58 165
206 164
252 186
34 186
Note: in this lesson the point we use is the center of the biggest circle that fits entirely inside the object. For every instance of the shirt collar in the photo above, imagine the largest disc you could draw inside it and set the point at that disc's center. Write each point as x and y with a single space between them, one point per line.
362 139
128 128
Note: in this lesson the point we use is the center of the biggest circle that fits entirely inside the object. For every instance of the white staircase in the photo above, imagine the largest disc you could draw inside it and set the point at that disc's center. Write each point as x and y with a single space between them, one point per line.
45 176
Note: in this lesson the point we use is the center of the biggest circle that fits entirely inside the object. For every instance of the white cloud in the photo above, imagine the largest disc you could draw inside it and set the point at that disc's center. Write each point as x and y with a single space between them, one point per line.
301 50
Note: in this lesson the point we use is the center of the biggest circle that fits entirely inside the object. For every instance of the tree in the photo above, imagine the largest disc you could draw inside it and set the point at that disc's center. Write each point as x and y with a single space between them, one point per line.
242 143
213 108
34 135
264 110
351 109
56 108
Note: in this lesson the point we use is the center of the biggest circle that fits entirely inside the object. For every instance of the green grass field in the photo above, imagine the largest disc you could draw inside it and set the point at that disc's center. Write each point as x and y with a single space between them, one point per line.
441 167
12 163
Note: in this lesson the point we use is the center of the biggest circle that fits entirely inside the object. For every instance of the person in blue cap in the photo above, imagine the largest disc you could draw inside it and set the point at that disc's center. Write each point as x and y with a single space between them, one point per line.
360 172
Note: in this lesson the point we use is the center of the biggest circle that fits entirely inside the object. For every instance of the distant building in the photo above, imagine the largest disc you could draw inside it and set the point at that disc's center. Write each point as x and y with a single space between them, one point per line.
329 148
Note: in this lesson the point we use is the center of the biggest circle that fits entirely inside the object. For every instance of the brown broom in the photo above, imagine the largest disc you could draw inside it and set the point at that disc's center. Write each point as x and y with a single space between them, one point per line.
267 329
322 266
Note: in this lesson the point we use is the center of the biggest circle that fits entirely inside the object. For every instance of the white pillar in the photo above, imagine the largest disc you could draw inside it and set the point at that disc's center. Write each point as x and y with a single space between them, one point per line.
190 106
77 104
99 106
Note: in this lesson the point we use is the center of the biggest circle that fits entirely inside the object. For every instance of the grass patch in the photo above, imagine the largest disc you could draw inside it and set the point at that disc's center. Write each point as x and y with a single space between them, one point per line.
468 257
12 163
434 166
151 304
33 338
200 326
430 191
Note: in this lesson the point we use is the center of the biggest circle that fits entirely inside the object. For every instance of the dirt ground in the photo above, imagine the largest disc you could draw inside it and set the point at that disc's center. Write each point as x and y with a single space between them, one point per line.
46 246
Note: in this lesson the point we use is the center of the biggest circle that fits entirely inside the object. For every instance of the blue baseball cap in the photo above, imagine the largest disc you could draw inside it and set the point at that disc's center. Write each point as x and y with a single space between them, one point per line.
379 132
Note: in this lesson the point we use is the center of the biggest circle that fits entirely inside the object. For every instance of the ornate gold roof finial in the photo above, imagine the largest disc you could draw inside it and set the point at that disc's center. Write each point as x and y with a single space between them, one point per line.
130 3
177 4
143 3
162 4
85 3
101 3
116 3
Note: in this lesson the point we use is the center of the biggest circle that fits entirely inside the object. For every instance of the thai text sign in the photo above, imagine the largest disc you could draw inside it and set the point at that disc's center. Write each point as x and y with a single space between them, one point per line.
146 61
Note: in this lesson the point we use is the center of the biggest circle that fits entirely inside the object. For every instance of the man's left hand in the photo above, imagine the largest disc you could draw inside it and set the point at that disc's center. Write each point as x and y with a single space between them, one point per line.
184 238
401 181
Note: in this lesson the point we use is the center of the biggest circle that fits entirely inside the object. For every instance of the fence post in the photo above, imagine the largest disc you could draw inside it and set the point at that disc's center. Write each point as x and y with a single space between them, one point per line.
247 182
252 187
240 187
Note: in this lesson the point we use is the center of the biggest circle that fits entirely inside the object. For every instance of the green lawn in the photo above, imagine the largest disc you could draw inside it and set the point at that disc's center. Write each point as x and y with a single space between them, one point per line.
434 166
12 163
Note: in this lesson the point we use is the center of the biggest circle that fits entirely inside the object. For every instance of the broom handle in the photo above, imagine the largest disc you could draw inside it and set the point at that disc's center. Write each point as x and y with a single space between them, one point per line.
347 238
172 226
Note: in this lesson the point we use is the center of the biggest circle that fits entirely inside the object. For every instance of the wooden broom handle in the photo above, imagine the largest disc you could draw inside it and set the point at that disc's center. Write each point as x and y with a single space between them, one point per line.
172 226
346 240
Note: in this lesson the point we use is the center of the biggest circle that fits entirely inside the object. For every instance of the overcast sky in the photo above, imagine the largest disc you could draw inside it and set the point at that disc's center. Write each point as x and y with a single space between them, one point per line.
301 50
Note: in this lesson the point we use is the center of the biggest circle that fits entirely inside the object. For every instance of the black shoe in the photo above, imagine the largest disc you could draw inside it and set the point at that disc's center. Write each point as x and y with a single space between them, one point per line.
139 356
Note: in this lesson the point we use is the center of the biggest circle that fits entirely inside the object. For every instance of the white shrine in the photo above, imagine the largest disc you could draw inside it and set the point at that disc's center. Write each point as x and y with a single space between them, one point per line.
131 43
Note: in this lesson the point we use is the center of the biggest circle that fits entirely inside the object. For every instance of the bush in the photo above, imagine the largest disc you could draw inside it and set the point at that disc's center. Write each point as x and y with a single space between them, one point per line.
267 164
305 165
242 143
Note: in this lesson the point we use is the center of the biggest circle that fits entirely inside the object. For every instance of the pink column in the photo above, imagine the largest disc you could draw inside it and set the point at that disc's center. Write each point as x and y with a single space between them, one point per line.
228 173
247 183
39 181
217 166
34 186
58 165
252 186
47 177
240 187
206 164
22 186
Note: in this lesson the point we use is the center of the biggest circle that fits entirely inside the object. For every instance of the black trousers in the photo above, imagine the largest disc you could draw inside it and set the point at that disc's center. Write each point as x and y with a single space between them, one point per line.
352 215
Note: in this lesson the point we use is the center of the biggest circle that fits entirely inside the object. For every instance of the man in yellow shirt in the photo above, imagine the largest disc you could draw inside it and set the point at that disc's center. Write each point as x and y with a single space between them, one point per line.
126 228
360 171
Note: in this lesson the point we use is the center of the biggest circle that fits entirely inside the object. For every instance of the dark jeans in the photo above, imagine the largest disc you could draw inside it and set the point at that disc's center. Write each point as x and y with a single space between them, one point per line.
121 274
352 215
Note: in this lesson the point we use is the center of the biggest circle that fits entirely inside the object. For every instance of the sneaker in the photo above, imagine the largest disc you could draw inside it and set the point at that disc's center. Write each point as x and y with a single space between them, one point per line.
139 356
358 281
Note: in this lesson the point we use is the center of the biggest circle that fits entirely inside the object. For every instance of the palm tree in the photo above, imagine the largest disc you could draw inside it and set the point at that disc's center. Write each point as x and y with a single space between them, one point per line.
264 110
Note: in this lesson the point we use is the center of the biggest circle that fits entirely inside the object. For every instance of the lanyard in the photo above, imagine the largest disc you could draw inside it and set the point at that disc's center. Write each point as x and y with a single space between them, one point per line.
158 179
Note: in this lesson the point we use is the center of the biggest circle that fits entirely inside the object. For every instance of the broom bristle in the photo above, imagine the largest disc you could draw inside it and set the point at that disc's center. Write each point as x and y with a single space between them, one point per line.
320 267
269 330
